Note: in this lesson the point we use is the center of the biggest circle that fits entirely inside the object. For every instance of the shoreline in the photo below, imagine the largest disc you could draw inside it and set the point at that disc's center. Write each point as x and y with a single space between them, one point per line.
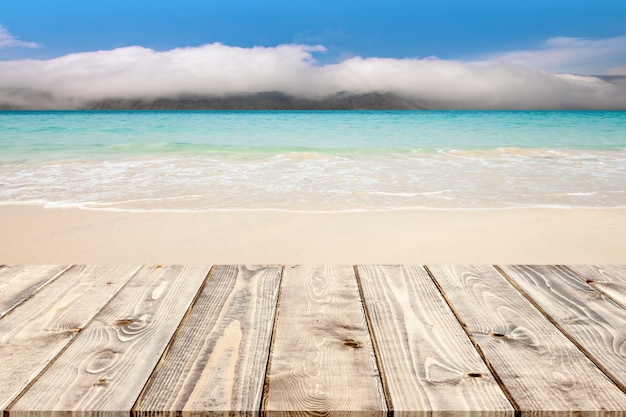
209 211
37 235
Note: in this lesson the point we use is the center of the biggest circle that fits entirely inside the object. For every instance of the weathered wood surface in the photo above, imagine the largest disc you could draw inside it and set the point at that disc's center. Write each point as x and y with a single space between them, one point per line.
36 331
218 360
322 360
542 370
18 283
105 368
610 279
427 359
594 322
346 341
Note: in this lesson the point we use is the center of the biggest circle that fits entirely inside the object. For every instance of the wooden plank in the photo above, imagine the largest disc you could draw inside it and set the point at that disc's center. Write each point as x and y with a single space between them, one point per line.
593 321
218 359
35 332
18 283
429 363
105 368
543 371
322 360
610 279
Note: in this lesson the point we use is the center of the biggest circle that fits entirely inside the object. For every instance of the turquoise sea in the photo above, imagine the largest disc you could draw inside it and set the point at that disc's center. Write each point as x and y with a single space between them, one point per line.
313 160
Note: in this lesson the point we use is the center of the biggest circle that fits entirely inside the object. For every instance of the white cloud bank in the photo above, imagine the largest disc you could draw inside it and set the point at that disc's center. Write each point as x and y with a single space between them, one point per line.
572 55
7 40
216 70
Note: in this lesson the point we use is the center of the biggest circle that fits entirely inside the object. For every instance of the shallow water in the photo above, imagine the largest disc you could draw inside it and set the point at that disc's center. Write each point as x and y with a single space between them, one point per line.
313 161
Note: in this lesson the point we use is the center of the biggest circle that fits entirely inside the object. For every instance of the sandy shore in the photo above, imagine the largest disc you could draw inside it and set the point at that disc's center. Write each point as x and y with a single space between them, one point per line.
37 235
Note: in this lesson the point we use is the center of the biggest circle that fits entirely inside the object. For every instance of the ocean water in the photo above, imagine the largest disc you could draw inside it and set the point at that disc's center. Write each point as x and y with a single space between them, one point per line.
313 160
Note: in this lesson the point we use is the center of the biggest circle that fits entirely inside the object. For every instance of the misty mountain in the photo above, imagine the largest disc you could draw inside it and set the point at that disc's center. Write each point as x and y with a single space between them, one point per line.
619 80
24 99
39 99
261 101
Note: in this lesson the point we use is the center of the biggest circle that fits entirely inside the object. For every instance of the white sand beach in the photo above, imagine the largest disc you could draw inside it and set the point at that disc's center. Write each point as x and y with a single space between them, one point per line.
37 235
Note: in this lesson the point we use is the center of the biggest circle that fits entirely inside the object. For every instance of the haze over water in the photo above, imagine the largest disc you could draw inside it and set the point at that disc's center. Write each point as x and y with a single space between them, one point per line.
313 161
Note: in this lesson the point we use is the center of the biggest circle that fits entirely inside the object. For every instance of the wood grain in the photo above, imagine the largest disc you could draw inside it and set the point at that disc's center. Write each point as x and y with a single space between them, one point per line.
18 283
34 334
322 361
218 359
595 322
543 371
105 368
430 365
610 279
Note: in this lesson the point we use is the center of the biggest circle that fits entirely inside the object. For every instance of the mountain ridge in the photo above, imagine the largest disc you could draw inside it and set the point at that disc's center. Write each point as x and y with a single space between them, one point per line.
260 101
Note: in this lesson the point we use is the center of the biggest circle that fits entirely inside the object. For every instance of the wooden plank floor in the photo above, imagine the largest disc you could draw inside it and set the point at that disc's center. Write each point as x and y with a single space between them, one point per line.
473 340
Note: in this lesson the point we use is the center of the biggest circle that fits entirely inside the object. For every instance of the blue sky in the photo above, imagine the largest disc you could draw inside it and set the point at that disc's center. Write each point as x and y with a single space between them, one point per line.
448 29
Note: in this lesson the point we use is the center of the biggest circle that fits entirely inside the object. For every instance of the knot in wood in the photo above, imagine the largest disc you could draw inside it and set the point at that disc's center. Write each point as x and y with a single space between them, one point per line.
498 335
475 374
124 322
101 382
352 343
